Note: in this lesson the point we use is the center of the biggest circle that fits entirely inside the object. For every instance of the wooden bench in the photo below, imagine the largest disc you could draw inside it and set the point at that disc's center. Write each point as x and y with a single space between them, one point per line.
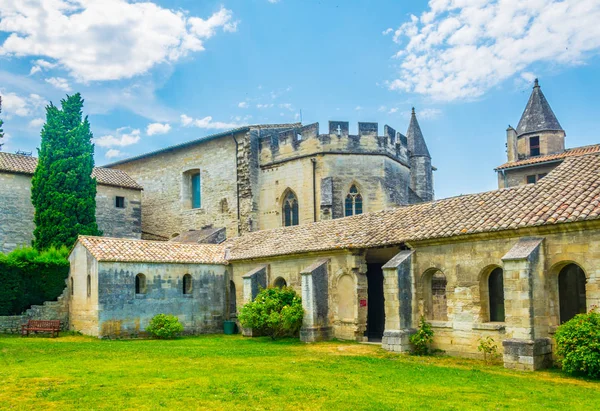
48 326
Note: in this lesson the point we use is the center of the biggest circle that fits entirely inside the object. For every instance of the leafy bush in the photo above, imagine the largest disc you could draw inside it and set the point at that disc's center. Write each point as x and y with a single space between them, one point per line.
276 312
578 343
164 326
30 277
423 338
489 349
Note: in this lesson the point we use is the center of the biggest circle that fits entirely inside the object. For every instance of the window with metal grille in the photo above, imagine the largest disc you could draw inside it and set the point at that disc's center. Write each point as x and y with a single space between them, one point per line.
534 146
354 202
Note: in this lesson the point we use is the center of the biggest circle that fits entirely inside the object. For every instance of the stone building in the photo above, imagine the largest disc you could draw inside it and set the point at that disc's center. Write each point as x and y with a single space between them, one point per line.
117 285
266 176
118 202
537 146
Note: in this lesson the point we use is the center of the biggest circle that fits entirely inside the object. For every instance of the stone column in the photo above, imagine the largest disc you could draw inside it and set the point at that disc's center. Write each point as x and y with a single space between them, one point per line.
399 294
523 270
253 281
315 301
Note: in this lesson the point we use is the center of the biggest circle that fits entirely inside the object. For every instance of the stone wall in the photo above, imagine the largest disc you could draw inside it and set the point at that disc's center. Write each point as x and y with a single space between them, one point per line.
551 142
518 177
50 310
16 211
166 210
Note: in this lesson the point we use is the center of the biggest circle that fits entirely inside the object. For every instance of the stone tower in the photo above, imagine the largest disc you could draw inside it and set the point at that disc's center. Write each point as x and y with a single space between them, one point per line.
538 133
421 172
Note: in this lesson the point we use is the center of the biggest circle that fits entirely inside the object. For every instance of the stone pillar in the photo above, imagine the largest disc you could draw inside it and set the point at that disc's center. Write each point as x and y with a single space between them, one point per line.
326 199
399 294
523 270
253 282
315 301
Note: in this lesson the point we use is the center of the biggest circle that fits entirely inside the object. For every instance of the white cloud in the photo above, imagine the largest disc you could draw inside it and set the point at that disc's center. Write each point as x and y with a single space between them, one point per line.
429 113
59 82
37 122
387 31
122 138
13 104
358 108
206 122
112 153
158 128
261 106
287 106
392 110
243 104
41 65
104 40
460 49
273 1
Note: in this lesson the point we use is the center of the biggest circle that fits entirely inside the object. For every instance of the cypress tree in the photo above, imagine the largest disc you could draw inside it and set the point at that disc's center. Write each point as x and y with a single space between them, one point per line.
63 191
1 122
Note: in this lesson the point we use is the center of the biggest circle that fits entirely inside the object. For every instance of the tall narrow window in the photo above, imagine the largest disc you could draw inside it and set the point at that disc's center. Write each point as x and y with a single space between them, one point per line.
187 284
140 284
89 286
496 291
354 202
290 210
439 306
232 299
534 146
196 191
72 288
571 292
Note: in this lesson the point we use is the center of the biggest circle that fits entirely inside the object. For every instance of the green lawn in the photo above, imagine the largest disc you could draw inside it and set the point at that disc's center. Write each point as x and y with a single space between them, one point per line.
231 372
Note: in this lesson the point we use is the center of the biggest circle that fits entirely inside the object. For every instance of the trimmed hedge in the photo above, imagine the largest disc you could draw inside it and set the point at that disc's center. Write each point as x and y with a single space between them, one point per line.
30 277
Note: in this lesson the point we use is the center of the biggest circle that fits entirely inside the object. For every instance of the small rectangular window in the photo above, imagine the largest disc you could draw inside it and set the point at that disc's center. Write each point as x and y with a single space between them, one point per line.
531 179
534 146
196 199
120 202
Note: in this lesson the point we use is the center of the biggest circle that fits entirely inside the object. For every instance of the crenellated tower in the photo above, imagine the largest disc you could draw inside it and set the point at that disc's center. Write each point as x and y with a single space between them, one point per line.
421 171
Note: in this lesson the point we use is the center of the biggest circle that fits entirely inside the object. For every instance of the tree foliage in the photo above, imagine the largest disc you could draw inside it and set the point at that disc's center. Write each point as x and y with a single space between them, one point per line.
63 191
30 277
578 343
276 312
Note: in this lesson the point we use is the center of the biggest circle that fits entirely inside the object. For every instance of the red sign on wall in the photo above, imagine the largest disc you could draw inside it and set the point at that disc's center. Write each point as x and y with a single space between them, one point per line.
363 303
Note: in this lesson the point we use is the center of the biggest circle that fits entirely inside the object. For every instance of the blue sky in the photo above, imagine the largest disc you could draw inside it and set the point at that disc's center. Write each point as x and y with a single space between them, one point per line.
158 73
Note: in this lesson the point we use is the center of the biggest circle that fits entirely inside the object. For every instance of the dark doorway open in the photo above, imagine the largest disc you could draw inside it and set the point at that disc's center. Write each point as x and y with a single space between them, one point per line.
571 291
375 306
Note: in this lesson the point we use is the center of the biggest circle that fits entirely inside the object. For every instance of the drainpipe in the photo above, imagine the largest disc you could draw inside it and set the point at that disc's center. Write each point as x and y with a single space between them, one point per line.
237 185
314 172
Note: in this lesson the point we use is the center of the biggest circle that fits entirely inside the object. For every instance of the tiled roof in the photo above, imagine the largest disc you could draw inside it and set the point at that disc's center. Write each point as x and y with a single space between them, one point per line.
571 192
143 251
17 163
538 116
577 151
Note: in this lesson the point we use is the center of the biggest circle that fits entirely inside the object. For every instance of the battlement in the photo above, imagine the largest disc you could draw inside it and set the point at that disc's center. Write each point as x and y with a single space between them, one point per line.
279 145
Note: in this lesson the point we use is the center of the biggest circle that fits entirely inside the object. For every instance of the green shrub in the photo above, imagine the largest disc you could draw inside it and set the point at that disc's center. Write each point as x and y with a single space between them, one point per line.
489 349
422 339
30 277
276 312
578 344
164 326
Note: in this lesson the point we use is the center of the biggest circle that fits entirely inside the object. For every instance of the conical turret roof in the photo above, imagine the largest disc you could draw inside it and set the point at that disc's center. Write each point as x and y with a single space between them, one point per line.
416 142
538 116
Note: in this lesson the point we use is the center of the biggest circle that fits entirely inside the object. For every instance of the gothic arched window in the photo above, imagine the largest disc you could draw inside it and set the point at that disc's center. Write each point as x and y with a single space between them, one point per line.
290 209
496 293
354 202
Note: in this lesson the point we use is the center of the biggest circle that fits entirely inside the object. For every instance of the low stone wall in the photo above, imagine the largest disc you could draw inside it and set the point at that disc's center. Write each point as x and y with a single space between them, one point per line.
50 310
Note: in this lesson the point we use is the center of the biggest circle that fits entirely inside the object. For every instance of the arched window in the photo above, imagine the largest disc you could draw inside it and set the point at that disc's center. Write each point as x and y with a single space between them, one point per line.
140 284
280 282
436 300
290 209
187 284
571 292
496 294
354 202
232 299
89 286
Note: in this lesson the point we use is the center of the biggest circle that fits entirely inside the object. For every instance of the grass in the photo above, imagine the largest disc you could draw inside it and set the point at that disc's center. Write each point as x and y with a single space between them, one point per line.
231 372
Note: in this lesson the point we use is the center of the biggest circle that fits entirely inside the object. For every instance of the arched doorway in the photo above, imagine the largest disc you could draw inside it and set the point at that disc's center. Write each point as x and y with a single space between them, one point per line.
280 282
571 292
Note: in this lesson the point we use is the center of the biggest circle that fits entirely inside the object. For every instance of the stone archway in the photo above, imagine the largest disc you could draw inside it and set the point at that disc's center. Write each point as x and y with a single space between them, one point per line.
571 292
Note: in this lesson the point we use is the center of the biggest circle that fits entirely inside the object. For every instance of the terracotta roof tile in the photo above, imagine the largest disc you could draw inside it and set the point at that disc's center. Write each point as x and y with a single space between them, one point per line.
143 251
572 184
577 151
16 163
